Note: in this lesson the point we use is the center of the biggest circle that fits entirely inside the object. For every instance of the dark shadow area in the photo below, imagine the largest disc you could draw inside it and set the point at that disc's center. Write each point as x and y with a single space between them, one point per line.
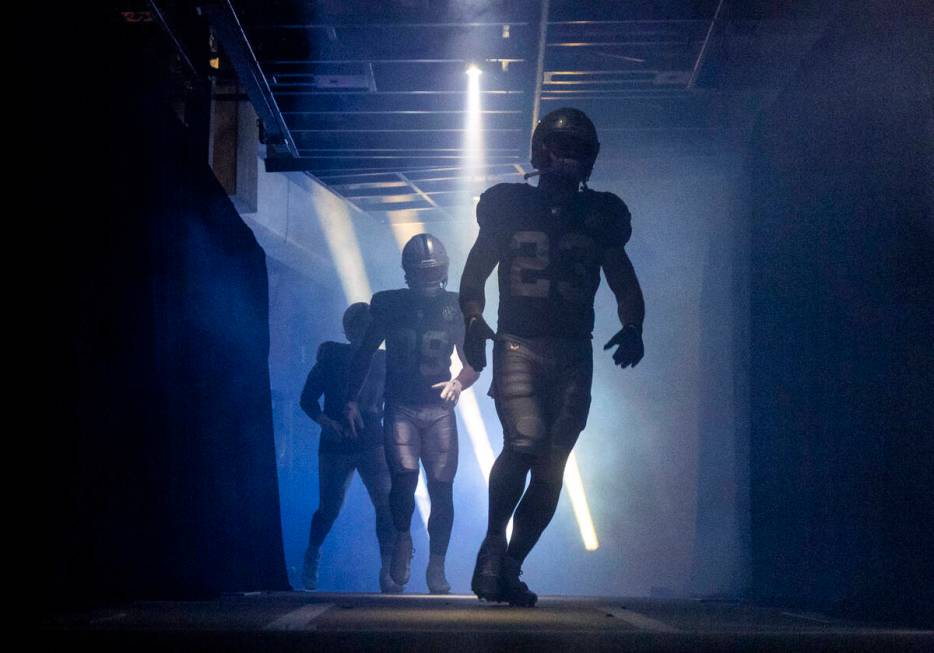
842 305
721 540
162 477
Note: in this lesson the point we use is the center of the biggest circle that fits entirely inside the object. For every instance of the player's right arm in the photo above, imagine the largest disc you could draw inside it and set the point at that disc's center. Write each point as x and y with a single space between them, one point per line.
311 394
483 257
360 363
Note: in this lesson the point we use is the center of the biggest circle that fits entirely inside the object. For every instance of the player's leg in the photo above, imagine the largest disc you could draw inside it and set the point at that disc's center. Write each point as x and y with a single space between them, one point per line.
516 378
334 474
403 448
538 504
568 395
376 478
439 456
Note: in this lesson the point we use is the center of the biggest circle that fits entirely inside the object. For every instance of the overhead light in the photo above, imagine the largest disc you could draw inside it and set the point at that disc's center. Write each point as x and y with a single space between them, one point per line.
473 69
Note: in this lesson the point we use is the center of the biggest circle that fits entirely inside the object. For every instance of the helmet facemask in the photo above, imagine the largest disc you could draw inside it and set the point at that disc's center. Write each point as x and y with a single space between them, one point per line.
428 281
568 156
565 145
425 262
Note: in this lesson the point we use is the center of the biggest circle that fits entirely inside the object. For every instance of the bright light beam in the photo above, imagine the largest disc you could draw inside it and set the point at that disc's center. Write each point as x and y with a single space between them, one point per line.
404 225
334 217
575 488
473 134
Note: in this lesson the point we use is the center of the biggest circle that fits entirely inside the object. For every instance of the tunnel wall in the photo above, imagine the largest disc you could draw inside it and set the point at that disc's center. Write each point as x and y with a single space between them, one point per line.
842 307
158 470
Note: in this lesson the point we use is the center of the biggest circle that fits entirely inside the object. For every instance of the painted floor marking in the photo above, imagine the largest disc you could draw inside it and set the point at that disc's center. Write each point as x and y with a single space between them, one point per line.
301 618
640 621
808 617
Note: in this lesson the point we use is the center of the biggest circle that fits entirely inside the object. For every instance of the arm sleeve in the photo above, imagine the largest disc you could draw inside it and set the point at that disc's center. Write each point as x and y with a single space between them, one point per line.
620 274
483 256
618 222
457 328
314 386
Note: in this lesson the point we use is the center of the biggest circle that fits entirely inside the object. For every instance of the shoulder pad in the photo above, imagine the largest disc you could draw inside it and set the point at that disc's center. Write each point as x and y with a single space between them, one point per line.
610 216
500 199
609 203
327 350
385 302
380 300
452 306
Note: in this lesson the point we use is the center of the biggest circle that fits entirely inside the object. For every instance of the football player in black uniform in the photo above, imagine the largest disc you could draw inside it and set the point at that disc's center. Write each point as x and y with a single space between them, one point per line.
422 326
340 450
550 242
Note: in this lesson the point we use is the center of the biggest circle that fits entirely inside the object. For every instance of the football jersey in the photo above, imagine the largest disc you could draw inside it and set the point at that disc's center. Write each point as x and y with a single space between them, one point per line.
550 256
421 333
330 376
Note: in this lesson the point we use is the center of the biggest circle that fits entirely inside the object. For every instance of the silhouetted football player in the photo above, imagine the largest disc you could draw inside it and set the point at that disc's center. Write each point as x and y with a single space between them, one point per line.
550 242
422 326
341 451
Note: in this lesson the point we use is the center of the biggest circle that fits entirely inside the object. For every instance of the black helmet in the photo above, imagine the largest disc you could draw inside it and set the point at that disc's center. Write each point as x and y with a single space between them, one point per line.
566 134
425 262
356 320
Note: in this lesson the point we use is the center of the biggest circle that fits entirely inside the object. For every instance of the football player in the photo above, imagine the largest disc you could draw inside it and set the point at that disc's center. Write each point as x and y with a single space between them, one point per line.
341 451
421 325
550 242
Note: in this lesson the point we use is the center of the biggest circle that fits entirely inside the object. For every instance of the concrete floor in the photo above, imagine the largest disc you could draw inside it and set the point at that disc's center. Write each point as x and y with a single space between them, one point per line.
356 622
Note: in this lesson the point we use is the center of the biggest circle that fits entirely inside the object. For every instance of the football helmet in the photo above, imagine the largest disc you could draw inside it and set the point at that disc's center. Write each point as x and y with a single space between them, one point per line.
565 142
425 262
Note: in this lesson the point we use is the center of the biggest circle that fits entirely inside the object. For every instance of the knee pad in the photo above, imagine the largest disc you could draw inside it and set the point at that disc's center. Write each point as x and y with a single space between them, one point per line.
524 426
439 449
518 457
405 482
401 441
402 458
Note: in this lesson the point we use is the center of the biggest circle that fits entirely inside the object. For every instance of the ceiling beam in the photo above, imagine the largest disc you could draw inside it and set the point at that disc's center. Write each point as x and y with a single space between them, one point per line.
425 196
540 62
233 39
703 51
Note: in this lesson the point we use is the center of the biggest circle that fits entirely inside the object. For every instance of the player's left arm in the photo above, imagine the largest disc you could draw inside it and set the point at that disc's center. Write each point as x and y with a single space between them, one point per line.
468 375
622 279
630 307
451 390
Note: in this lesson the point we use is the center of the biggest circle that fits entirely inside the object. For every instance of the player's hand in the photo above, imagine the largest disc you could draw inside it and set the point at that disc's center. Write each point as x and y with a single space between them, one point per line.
629 347
476 333
354 420
450 391
331 429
